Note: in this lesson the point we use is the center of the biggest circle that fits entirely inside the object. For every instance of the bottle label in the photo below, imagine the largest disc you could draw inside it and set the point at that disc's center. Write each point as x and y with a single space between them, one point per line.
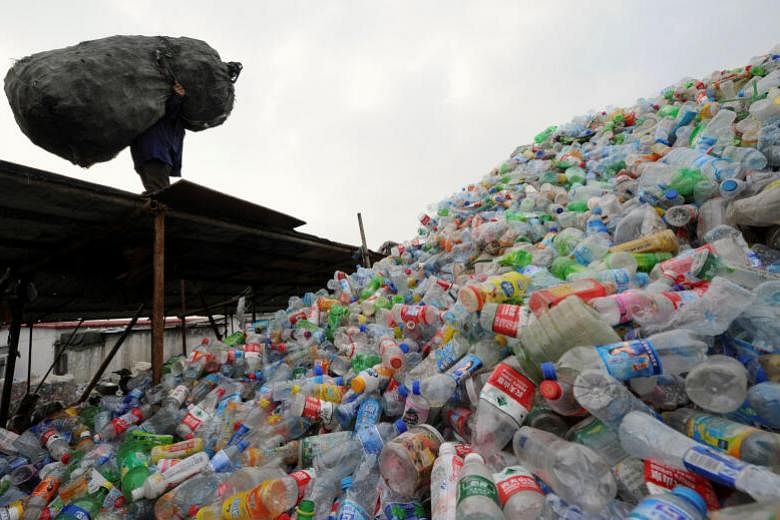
179 394
368 413
718 467
195 418
513 480
656 509
410 313
72 511
477 485
509 391
351 510
421 444
507 320
316 409
166 464
50 437
371 440
630 359
415 412
660 478
458 419
235 506
186 468
445 356
719 433
302 477
12 511
467 365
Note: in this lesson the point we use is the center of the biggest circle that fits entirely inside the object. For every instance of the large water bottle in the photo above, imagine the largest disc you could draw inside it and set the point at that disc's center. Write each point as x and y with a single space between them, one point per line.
519 494
477 497
682 503
642 435
575 472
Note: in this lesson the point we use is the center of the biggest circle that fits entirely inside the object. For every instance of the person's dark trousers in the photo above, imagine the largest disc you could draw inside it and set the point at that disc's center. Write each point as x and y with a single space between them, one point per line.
155 175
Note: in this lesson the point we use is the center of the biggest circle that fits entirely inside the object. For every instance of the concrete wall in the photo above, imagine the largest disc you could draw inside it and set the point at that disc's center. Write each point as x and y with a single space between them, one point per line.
83 362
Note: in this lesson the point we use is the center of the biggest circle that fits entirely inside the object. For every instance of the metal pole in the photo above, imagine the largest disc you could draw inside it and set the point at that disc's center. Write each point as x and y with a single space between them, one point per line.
364 251
58 355
158 293
29 356
110 356
183 287
17 308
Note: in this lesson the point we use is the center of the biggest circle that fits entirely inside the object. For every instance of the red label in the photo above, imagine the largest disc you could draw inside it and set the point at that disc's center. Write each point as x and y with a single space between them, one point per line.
410 313
316 409
461 450
191 421
302 478
515 484
507 320
661 478
514 384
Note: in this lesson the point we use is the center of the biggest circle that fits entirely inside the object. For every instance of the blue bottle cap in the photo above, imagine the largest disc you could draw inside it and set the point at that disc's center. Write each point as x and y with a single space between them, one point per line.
403 391
317 370
729 185
641 279
346 483
363 328
339 381
416 387
404 348
597 211
400 426
548 371
693 497
671 194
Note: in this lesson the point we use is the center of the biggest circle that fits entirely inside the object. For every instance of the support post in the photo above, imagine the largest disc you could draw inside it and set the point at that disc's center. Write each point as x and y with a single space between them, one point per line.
110 356
29 356
183 287
364 250
17 308
158 293
213 323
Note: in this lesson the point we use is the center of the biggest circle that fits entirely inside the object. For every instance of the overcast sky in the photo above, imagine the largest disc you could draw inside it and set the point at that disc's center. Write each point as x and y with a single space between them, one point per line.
387 107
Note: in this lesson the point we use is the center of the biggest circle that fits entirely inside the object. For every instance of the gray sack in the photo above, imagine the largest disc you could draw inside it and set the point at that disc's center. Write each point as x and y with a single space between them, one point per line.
87 102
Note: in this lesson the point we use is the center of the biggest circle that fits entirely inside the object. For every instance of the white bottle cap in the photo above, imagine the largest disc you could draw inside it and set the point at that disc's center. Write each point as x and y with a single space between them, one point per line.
474 457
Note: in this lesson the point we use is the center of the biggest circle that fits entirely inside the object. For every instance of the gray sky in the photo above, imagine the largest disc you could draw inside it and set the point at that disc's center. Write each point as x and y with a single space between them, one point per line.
386 107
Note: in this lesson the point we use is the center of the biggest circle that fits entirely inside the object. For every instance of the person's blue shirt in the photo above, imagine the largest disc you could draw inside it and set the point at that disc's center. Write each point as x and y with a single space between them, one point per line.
163 141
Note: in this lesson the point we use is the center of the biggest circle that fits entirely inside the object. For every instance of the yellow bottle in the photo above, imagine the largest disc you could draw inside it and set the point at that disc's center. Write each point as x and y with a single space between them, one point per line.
178 450
662 241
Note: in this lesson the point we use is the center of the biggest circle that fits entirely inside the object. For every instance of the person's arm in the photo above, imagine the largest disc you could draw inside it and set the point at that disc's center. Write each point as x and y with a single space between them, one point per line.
173 105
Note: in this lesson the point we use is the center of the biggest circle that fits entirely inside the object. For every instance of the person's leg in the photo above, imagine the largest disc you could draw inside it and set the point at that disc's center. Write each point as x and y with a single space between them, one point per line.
155 175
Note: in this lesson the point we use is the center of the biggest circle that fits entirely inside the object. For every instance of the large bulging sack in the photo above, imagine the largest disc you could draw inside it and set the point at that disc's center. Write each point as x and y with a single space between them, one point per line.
87 102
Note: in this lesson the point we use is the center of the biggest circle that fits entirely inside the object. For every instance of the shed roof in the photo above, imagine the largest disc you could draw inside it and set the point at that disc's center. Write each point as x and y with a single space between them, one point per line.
88 247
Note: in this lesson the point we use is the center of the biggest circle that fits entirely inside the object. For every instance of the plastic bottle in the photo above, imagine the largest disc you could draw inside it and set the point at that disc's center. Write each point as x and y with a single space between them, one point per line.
406 461
477 497
606 398
673 352
509 287
120 425
504 401
681 503
44 492
58 447
643 436
267 500
444 479
503 318
764 398
361 498
738 440
719 384
575 472
520 496
586 289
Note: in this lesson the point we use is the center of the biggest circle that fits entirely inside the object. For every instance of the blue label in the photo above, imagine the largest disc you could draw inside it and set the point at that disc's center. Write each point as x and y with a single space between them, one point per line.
465 367
239 434
351 511
368 413
371 440
630 359
220 462
75 512
404 511
658 509
714 465
508 289
445 356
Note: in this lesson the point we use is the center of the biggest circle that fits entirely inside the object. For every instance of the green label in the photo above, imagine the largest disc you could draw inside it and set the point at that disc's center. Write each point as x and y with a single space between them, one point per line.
477 485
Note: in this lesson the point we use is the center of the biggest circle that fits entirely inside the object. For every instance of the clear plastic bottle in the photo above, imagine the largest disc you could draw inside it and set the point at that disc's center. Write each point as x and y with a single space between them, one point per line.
764 398
477 497
444 479
644 436
739 440
359 502
719 384
575 472
520 496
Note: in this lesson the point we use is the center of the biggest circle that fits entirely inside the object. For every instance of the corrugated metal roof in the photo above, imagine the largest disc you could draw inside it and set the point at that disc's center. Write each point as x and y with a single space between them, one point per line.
88 248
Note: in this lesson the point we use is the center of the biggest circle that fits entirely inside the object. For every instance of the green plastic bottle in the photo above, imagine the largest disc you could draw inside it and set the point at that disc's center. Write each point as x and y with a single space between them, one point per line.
133 465
372 287
685 181
84 508
578 206
516 259
545 134
562 267
646 261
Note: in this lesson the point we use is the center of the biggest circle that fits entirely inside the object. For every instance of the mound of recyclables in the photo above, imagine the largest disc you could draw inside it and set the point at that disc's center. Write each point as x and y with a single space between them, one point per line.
590 331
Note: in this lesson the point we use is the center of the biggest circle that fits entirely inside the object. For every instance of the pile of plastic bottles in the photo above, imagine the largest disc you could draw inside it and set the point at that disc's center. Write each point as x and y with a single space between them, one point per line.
591 331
